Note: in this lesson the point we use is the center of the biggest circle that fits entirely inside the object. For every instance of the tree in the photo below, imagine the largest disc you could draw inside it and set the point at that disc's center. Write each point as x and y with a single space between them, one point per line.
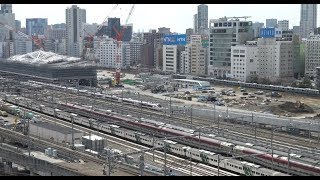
253 78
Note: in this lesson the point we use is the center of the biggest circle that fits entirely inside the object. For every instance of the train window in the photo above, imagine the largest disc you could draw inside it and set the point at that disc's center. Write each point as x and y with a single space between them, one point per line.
258 173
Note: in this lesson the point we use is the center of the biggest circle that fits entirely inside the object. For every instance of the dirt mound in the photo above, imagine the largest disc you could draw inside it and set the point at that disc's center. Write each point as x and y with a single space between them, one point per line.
296 107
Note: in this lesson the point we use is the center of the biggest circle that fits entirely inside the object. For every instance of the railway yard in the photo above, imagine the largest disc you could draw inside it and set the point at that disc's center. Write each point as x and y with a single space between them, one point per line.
162 134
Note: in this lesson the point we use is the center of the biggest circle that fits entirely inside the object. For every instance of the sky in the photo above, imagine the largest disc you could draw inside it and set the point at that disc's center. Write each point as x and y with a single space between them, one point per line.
178 17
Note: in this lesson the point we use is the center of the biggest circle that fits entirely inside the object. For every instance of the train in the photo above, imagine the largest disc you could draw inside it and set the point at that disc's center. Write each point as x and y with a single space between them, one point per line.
114 98
296 164
200 155
306 91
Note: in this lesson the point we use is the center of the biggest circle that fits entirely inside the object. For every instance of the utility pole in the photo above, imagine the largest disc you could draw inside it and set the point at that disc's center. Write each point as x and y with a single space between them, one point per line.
218 164
109 159
72 119
191 117
121 101
170 107
141 163
29 144
165 158
153 147
271 145
289 158
140 105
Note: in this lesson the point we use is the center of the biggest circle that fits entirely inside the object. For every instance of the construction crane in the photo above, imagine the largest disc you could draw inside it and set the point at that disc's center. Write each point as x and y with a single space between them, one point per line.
87 51
119 38
35 39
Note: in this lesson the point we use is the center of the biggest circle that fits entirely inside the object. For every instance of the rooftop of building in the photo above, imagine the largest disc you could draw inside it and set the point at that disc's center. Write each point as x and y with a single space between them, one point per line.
53 127
48 58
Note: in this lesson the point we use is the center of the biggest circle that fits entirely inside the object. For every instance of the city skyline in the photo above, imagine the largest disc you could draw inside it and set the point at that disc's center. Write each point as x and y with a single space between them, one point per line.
179 20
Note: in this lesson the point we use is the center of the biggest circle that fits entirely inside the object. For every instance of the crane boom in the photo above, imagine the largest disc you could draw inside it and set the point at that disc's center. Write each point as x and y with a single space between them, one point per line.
130 13
105 19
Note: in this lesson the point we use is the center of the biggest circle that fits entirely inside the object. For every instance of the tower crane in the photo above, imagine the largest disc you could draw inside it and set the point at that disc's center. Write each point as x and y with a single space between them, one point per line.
119 38
35 39
87 51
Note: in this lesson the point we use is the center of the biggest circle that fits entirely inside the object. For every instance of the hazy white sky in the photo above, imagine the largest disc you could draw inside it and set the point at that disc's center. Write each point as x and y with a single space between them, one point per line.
178 17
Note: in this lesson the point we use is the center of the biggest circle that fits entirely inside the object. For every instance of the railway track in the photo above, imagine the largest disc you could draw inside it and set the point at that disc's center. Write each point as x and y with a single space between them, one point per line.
173 162
238 132
263 135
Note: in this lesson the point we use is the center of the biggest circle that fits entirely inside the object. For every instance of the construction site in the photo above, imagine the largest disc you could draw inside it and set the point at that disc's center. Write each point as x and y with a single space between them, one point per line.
271 102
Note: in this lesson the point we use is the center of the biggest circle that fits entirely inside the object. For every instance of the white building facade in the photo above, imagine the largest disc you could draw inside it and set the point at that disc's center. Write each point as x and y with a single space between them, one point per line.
106 52
244 61
170 58
312 55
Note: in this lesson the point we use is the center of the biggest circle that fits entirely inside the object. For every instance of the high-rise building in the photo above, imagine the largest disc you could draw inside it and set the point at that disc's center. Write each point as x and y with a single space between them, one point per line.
195 23
8 18
36 26
225 33
202 17
127 33
6 9
244 61
312 55
147 51
75 17
113 27
18 25
284 25
271 23
308 19
256 28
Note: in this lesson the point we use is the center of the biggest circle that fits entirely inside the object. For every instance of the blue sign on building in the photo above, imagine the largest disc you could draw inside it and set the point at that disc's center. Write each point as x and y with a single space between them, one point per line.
175 39
267 32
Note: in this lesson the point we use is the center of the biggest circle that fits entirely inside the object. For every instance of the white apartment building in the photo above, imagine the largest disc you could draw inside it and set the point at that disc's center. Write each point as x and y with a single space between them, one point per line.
275 58
170 58
284 25
106 51
312 55
244 61
75 18
197 56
